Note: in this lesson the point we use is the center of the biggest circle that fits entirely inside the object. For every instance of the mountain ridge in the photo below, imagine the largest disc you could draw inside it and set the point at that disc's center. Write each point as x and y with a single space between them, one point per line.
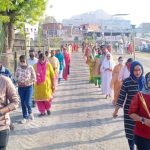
95 17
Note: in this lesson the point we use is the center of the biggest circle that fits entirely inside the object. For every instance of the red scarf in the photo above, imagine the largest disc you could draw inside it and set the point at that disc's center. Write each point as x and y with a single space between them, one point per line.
41 72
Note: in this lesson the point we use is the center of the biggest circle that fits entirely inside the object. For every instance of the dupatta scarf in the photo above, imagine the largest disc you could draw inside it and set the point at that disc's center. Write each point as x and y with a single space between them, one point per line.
41 72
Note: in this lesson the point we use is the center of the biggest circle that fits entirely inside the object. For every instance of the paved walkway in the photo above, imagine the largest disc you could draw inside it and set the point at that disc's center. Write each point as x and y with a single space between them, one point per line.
81 119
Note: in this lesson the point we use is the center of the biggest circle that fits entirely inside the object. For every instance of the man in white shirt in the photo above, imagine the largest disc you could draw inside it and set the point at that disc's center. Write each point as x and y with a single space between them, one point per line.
32 61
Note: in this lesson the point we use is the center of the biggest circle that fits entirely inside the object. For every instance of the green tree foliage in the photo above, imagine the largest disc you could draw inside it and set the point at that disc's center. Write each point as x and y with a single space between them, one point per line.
15 13
56 41
90 39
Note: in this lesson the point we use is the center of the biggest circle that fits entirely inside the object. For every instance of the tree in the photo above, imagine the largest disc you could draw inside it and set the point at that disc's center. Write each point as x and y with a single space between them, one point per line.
56 41
90 39
1 37
15 13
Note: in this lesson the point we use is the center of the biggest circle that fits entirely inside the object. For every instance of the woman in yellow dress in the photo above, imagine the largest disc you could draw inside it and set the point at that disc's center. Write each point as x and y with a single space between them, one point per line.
44 86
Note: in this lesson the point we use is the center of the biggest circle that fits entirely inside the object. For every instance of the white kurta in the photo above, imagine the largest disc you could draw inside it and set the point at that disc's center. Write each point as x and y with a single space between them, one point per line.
120 50
106 76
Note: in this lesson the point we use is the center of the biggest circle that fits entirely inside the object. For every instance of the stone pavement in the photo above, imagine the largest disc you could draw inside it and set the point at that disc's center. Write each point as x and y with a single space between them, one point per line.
81 119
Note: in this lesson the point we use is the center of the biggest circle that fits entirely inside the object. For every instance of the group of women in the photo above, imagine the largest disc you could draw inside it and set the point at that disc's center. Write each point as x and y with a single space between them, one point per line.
134 98
40 81
101 65
131 92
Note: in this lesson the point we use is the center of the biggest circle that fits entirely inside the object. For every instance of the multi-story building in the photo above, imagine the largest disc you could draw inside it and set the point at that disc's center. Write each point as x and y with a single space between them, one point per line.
115 24
72 33
28 40
145 27
52 29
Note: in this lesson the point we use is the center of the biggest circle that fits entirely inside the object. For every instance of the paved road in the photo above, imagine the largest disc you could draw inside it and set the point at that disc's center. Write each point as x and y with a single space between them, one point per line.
80 120
145 62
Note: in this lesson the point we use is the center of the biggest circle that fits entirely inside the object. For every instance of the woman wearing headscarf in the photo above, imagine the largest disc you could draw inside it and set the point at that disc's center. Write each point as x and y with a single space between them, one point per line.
96 69
44 86
130 87
140 112
106 69
91 65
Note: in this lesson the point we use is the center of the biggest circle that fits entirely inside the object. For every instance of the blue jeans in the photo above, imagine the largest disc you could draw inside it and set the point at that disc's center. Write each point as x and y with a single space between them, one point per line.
142 143
26 100
131 144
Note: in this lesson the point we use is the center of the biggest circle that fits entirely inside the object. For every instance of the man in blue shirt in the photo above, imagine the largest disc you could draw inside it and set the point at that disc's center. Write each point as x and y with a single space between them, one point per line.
4 71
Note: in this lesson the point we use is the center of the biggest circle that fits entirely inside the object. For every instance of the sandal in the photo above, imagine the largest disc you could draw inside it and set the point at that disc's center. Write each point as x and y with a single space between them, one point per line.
41 114
48 112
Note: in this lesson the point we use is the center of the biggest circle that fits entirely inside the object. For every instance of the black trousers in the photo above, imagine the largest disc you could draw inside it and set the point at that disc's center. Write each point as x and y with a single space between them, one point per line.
131 144
142 143
4 135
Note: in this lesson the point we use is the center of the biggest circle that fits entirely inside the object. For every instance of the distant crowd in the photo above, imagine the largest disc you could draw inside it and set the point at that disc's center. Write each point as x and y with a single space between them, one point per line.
129 88
36 79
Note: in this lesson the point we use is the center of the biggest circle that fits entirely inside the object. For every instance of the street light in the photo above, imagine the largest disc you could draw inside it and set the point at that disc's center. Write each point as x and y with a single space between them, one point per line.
133 39
71 28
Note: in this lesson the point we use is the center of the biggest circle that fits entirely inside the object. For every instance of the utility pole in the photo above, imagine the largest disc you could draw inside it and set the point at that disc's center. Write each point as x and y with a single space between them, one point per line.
133 40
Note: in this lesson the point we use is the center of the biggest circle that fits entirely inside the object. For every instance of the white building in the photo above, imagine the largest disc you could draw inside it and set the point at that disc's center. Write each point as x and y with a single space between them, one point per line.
31 31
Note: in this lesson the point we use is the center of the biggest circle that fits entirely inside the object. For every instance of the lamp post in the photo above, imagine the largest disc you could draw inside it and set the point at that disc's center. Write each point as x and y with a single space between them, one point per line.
71 29
133 40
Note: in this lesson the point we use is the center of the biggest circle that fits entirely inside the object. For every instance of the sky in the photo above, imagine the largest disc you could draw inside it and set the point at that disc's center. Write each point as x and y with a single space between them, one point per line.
138 10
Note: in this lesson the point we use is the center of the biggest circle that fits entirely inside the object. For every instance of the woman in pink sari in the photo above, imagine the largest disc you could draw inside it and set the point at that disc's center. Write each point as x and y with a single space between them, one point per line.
67 64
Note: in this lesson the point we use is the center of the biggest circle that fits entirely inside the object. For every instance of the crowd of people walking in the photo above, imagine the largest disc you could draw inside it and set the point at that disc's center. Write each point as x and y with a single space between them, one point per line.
38 76
126 86
36 79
